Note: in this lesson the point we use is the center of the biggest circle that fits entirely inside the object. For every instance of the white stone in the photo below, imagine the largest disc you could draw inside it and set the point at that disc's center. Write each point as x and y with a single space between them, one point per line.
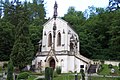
69 59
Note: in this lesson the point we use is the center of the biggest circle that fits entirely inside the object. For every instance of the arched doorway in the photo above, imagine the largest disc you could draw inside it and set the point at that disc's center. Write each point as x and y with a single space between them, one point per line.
52 63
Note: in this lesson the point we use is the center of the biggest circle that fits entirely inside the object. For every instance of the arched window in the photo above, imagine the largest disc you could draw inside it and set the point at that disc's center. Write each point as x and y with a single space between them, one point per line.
71 46
49 40
59 39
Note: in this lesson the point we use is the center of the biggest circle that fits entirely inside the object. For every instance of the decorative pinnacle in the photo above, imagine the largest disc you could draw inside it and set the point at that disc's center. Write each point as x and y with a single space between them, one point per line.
55 10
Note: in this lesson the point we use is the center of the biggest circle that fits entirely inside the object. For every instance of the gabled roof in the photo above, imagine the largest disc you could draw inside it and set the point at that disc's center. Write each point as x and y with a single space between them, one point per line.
61 20
53 18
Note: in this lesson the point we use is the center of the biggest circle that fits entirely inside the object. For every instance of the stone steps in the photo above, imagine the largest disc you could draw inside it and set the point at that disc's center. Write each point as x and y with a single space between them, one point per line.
92 69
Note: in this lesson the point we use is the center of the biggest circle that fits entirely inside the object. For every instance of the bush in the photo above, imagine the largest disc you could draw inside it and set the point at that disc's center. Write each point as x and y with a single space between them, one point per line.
23 75
119 66
47 76
51 73
110 66
48 73
10 70
55 74
0 68
82 74
58 70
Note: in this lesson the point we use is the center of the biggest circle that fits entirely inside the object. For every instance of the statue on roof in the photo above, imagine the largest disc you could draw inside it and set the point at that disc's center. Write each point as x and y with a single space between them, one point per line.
55 10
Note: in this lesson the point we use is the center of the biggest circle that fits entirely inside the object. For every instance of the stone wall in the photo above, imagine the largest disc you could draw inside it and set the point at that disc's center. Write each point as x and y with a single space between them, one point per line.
114 63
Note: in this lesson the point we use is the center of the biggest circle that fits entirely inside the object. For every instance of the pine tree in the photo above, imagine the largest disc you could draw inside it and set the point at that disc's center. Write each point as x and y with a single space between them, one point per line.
23 50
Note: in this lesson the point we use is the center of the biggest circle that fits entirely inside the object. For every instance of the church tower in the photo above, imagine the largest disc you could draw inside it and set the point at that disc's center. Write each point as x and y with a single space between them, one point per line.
59 47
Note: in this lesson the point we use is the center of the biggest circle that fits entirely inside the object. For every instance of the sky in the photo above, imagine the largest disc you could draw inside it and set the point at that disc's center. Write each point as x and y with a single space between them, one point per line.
63 5
80 5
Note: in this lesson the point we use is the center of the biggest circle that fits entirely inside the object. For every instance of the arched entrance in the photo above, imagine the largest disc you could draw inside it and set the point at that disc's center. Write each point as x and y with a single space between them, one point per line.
52 63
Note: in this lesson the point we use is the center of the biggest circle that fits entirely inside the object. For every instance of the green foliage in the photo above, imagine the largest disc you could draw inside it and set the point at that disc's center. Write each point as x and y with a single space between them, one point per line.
107 71
103 78
48 73
35 35
58 70
6 39
110 66
10 70
51 72
98 29
75 18
114 5
82 74
23 75
55 74
66 76
23 50
11 23
31 77
119 66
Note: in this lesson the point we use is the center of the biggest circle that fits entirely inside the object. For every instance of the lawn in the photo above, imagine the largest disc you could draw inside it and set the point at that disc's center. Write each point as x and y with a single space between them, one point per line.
66 76
32 77
103 78
107 71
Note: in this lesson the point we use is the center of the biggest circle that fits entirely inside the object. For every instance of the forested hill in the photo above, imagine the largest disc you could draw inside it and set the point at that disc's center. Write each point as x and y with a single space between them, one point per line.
21 30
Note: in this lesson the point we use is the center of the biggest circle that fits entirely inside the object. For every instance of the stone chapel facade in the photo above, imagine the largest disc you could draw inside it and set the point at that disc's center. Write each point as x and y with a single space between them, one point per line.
59 47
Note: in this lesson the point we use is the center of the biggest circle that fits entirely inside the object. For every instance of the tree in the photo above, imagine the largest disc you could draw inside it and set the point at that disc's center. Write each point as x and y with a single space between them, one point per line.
6 39
93 11
10 70
23 49
75 18
114 5
114 40
35 35
37 17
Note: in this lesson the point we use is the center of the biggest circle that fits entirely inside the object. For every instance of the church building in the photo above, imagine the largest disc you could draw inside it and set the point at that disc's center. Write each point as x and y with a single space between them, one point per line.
59 47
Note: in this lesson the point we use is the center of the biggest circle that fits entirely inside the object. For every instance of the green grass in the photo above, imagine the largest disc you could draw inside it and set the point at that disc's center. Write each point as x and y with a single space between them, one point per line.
66 77
31 77
107 71
103 78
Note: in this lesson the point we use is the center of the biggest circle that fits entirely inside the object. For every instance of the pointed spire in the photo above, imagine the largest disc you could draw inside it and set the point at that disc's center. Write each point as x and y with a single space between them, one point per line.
55 10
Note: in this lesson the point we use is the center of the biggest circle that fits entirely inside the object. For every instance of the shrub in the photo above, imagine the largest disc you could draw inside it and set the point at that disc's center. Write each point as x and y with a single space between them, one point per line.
58 70
119 66
48 73
110 66
23 75
82 74
55 74
51 73
0 68
10 70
